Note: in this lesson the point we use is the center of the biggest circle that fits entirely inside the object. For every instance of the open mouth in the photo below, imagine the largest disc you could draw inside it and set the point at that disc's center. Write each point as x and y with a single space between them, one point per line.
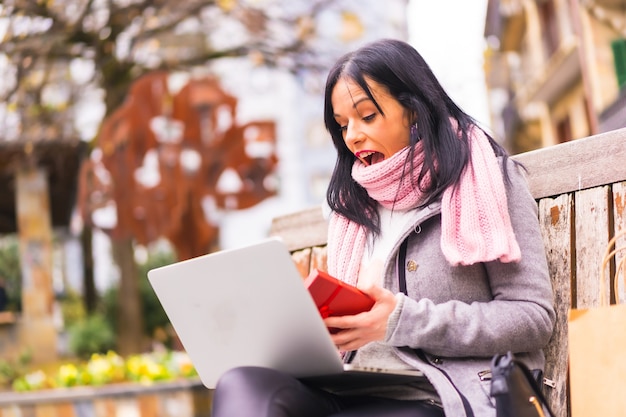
370 157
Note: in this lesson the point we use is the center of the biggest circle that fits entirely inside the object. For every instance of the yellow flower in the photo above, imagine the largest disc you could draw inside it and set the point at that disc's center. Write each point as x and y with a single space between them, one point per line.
68 375
36 380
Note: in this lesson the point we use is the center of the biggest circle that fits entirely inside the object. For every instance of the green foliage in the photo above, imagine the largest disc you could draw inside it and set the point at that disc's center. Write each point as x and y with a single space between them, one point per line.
619 57
72 308
108 306
155 319
10 271
93 334
10 370
154 315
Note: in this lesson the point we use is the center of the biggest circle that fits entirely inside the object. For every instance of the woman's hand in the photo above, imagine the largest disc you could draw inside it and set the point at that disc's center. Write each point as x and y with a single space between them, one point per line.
360 329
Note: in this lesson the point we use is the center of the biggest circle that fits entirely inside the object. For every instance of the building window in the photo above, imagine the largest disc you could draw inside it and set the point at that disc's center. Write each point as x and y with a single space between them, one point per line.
588 115
564 130
549 26
619 56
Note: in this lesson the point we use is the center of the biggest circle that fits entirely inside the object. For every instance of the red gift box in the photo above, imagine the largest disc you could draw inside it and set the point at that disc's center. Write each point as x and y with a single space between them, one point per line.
334 297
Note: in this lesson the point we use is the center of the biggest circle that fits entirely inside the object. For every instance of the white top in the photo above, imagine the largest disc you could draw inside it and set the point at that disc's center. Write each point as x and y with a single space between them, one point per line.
378 250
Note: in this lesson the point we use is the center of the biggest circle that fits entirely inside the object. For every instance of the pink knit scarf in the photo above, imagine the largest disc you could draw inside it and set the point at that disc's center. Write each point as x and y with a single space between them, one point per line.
475 222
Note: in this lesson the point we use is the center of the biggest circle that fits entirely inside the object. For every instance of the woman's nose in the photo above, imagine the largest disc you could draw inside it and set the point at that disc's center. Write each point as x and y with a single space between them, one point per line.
352 135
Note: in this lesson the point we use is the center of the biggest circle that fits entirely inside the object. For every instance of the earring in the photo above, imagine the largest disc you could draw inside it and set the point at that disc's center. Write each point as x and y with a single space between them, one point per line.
413 131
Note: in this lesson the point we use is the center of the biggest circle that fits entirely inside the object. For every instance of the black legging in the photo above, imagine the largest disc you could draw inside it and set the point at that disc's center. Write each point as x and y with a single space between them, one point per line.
262 392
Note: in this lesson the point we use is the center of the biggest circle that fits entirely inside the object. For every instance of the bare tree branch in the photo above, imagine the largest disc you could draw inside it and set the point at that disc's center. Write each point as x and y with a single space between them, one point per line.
172 23
126 41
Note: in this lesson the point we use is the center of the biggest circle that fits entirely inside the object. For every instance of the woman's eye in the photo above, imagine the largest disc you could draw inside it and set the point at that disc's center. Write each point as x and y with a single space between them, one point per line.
343 129
370 117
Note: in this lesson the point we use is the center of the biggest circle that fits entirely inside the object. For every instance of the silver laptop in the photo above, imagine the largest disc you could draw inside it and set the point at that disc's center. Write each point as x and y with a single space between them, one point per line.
249 307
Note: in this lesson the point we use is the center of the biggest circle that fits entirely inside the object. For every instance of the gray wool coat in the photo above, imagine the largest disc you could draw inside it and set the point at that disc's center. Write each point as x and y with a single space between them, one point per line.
458 317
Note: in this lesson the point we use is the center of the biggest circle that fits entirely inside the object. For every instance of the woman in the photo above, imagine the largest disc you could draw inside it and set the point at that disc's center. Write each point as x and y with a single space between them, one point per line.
430 218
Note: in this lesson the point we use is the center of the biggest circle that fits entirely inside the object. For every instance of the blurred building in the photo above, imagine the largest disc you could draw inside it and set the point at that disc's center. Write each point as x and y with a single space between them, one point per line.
295 103
306 156
555 69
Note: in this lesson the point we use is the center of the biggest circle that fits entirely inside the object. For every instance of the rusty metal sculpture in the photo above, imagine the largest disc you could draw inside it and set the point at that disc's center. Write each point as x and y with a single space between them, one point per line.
170 159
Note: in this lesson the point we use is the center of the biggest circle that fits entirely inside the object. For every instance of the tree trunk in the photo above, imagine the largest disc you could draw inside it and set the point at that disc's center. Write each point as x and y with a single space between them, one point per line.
90 297
130 326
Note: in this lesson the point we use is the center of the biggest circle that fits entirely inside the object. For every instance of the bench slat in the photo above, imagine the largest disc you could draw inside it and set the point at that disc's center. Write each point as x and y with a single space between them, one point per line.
318 258
301 230
576 165
555 219
592 237
302 259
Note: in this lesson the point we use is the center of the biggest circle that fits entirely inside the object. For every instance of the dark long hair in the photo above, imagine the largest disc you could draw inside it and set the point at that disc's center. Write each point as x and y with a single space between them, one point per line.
399 68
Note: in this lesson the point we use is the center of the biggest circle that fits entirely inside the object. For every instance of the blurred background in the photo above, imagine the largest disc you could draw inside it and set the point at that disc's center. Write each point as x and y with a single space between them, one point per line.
135 133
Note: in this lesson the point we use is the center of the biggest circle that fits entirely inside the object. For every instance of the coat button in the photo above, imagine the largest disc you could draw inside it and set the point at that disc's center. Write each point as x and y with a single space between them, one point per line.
411 266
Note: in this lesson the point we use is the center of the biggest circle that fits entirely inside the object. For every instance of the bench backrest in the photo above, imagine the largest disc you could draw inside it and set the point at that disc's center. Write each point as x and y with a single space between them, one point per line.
580 188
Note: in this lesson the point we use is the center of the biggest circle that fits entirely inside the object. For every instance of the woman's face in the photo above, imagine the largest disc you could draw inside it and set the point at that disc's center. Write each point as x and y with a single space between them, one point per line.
369 135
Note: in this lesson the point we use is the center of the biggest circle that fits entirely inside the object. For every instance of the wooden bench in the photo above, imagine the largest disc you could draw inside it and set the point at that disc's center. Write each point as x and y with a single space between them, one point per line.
580 188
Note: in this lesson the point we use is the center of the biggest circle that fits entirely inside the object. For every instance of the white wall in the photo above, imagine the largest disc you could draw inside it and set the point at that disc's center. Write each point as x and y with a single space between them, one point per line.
449 35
